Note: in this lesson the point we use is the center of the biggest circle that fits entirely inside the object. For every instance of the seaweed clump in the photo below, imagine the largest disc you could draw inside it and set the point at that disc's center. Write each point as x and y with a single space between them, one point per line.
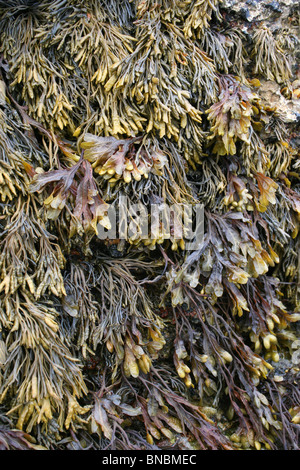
140 342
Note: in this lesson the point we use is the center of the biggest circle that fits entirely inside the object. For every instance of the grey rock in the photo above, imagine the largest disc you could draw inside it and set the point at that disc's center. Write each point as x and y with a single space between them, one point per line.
261 10
271 95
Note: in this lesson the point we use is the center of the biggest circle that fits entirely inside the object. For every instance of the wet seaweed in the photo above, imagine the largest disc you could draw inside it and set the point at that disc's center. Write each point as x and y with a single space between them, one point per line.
139 342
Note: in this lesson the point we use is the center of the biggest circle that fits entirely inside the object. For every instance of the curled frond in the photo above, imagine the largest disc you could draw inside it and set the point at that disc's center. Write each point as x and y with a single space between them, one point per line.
270 60
231 116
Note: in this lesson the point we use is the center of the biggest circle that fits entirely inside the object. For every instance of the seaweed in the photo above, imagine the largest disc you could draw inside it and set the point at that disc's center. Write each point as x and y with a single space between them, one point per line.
150 338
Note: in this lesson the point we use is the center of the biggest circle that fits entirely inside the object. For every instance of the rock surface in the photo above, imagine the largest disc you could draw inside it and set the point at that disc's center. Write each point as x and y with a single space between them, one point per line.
262 10
289 109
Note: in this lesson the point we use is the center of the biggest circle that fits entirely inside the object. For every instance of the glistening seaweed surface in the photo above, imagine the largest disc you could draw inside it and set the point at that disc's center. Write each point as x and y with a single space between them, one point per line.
140 342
